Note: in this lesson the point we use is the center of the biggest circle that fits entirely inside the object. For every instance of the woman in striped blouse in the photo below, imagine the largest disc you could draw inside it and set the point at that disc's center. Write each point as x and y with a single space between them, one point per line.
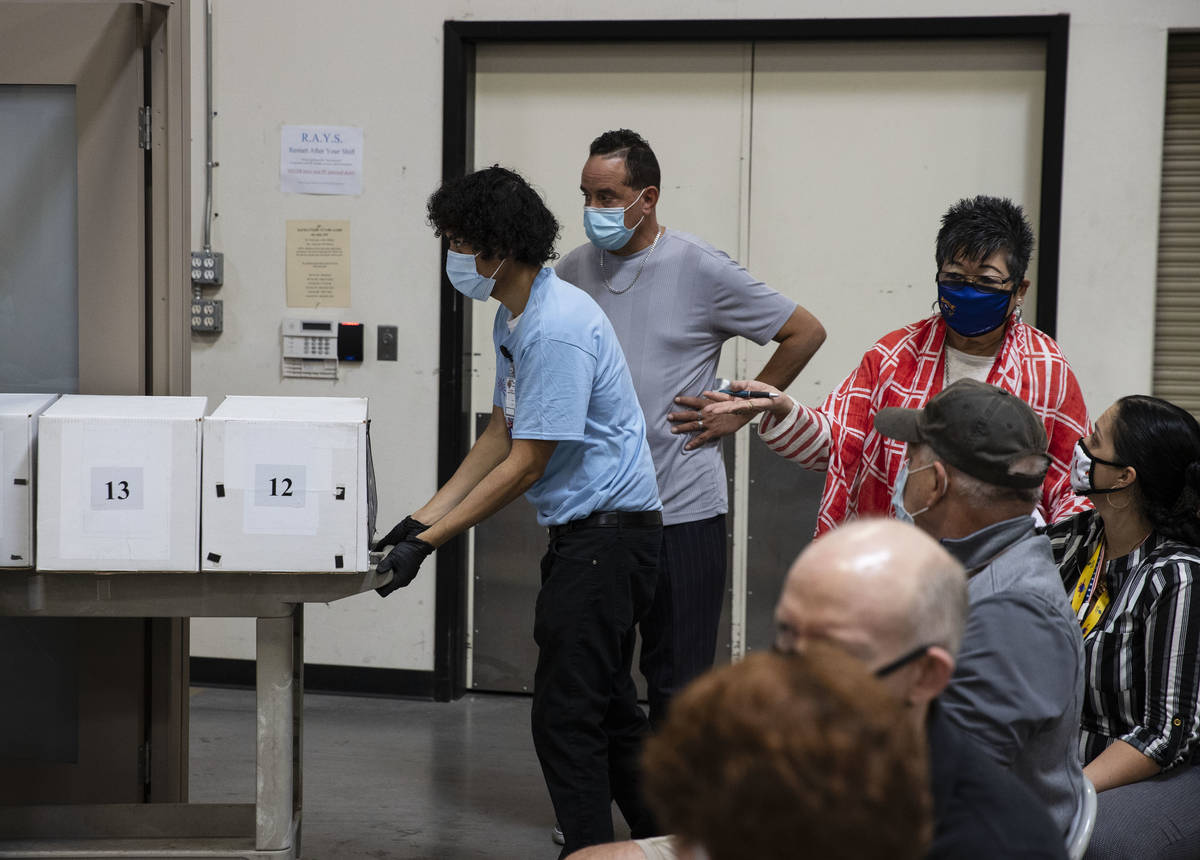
1132 567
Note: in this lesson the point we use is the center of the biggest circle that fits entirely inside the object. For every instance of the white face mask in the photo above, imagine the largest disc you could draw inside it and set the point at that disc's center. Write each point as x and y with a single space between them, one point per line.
1083 471
898 509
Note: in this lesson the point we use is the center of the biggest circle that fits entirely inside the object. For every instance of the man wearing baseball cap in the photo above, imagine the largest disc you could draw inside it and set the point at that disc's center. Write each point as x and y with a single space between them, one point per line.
973 470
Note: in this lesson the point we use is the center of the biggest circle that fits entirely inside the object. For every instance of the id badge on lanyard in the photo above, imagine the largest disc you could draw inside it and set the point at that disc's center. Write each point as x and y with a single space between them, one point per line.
510 390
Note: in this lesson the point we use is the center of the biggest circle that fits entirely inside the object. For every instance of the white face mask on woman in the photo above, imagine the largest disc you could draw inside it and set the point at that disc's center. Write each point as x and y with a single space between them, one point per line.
1083 471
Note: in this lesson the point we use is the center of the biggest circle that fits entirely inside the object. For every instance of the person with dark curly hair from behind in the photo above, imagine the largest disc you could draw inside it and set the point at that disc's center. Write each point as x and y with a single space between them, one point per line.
784 756
1132 570
567 431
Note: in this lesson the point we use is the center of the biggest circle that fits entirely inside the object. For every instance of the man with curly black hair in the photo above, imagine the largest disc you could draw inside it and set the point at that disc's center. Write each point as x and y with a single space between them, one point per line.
566 430
674 301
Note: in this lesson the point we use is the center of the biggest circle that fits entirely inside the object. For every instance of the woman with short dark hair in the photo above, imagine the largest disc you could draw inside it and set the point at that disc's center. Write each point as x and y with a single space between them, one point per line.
982 255
1131 568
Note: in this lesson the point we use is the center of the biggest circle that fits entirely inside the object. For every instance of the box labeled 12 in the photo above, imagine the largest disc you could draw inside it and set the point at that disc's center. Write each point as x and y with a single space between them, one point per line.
285 485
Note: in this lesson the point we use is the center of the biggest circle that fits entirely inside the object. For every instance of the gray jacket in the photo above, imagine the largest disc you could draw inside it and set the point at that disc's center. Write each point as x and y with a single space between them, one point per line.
1018 686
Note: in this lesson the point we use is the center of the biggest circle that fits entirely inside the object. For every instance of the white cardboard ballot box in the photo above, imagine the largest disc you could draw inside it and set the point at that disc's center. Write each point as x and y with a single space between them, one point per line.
119 483
18 448
286 485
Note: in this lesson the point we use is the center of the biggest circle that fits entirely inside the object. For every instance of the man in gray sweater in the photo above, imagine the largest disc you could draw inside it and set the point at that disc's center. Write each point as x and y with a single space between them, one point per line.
974 467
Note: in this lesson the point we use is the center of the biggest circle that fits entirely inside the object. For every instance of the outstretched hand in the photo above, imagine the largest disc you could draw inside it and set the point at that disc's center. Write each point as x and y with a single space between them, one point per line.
719 405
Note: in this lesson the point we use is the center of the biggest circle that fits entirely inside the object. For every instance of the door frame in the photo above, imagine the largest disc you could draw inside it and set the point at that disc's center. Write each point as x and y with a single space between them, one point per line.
162 294
461 40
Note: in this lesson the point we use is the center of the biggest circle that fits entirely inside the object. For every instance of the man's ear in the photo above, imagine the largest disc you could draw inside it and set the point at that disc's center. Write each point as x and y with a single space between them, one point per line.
940 487
649 199
933 674
1022 288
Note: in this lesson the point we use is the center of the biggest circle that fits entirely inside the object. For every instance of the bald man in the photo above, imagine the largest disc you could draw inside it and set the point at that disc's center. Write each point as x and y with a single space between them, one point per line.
888 594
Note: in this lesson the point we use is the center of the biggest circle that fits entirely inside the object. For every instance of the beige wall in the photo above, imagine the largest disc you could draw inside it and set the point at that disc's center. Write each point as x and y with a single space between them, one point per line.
377 64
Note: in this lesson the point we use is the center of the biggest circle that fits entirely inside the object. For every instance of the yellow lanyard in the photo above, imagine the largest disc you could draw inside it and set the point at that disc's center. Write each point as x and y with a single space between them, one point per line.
1091 582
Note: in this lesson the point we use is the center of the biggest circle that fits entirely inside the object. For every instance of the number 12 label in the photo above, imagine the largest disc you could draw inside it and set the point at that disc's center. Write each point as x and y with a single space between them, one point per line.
117 488
279 486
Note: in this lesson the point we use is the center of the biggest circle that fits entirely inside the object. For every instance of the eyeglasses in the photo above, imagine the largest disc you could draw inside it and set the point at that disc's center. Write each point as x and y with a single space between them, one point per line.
900 662
989 283
459 246
882 672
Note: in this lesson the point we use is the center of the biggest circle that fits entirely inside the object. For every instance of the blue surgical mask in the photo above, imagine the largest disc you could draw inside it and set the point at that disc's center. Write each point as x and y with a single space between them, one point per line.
971 311
460 269
606 227
898 509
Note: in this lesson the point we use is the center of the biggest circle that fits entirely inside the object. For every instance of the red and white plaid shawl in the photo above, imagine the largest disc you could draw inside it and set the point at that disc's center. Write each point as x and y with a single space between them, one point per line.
906 368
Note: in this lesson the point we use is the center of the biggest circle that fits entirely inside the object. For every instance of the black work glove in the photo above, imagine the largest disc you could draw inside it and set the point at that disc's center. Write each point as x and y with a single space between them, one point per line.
406 528
403 561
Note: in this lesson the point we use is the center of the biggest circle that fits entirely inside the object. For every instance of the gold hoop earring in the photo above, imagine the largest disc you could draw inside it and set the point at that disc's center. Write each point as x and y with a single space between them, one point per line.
1109 498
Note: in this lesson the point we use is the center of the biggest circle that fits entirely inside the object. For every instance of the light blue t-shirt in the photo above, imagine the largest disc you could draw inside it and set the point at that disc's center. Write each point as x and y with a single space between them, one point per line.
561 375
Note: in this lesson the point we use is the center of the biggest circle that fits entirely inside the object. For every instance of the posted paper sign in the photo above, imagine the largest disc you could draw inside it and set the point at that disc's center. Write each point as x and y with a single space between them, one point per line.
318 264
320 159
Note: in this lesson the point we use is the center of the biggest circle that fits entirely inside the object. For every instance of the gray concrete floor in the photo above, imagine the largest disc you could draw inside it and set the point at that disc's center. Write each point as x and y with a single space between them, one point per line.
391 778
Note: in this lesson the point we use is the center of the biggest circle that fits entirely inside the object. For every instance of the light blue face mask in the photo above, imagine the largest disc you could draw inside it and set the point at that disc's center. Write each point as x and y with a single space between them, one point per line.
606 228
898 494
460 269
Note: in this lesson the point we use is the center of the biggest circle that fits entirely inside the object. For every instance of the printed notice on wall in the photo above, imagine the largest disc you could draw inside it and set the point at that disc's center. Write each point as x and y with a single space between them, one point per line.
320 159
318 264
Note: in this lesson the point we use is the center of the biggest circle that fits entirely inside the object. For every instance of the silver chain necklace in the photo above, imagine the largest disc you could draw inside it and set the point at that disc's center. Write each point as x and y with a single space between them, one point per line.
645 259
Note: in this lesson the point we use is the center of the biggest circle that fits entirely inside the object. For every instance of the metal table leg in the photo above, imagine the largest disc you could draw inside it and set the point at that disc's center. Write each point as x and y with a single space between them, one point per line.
276 711
298 721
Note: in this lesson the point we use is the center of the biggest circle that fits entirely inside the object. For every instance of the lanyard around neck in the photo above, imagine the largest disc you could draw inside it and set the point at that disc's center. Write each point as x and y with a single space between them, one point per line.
1090 597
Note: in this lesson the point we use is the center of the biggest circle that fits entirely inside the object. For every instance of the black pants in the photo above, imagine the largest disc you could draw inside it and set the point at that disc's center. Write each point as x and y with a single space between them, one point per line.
587 725
679 633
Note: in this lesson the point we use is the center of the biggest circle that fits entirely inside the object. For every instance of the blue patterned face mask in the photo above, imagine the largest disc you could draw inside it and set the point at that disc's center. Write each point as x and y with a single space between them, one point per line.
606 228
971 311
460 269
898 494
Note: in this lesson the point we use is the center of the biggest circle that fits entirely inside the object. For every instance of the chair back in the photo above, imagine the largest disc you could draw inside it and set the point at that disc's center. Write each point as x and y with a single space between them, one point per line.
1084 823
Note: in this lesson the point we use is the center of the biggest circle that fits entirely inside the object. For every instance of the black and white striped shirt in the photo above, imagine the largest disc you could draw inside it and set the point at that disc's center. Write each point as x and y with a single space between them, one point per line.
1142 659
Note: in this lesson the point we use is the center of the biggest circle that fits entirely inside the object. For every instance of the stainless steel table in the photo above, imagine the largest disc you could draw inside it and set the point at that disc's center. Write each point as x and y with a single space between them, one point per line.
270 827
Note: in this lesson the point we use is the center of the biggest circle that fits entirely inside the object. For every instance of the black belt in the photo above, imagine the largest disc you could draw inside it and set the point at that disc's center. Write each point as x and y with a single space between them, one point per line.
610 519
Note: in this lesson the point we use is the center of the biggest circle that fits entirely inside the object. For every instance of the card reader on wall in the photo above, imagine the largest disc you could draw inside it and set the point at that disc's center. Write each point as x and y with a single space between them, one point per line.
350 341
310 349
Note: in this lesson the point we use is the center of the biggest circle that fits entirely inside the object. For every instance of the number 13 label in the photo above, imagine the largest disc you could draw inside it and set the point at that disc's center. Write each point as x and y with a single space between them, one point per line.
117 488
279 486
